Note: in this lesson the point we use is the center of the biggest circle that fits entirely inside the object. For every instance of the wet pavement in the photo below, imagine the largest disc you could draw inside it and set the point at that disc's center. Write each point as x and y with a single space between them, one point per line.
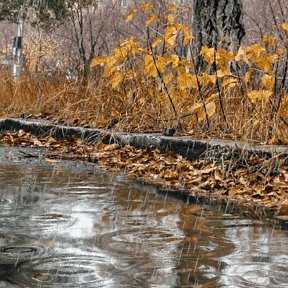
65 224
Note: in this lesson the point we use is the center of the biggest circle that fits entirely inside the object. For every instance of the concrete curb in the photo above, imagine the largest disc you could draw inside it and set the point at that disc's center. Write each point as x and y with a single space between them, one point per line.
186 146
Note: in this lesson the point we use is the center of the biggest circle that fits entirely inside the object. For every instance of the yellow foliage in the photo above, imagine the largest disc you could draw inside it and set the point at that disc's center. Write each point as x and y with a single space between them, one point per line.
285 26
173 59
221 56
129 46
208 54
254 51
187 36
98 60
283 110
150 19
257 55
146 6
130 15
170 35
259 95
206 79
268 81
168 78
172 7
186 81
149 66
110 66
223 72
247 76
205 111
161 63
229 83
170 19
210 109
116 79
268 39
156 41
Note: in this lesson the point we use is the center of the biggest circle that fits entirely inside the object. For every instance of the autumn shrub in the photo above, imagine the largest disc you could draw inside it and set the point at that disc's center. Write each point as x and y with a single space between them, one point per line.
237 95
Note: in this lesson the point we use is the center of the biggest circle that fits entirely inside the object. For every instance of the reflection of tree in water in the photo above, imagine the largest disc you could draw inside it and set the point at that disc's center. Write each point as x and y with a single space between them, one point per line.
202 247
182 246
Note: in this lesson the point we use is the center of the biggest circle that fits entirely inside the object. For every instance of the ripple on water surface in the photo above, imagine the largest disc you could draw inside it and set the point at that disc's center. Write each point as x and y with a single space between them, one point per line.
66 271
126 237
17 248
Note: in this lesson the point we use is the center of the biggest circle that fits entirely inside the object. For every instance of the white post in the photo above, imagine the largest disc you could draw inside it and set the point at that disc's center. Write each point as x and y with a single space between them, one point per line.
17 46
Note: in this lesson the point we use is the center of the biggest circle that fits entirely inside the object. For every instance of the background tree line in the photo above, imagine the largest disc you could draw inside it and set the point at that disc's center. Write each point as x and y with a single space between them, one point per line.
89 27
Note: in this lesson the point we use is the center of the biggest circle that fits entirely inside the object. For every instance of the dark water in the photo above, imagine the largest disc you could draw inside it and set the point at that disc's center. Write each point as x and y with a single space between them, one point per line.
71 227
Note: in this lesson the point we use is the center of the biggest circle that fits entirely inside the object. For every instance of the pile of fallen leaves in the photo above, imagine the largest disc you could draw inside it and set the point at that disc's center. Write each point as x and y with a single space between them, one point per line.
259 182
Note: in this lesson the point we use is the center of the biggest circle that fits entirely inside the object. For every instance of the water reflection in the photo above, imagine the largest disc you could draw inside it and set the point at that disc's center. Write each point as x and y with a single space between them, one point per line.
71 227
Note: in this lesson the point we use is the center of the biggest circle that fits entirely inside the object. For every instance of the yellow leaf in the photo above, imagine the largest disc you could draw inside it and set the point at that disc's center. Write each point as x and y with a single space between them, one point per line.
283 109
229 83
168 78
98 60
268 81
211 98
110 66
187 36
268 39
223 72
130 15
172 8
150 18
170 19
170 35
146 6
241 55
210 108
264 64
247 76
186 81
224 56
149 66
174 59
116 79
254 51
206 79
161 63
204 112
208 54
156 41
259 95
285 26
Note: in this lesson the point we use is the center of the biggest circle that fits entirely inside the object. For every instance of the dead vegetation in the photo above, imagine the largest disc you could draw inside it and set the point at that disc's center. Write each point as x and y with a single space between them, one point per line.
253 183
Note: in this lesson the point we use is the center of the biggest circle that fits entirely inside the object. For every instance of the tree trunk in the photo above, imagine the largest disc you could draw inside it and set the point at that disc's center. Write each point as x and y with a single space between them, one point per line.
217 24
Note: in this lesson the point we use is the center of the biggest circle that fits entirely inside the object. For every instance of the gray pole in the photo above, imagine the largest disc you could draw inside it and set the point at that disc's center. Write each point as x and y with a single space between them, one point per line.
17 46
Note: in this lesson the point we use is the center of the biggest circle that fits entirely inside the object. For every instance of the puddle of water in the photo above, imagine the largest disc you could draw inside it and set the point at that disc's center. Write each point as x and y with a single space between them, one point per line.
71 227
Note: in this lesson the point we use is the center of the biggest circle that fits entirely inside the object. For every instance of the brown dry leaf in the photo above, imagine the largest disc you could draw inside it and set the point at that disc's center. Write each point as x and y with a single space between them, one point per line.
111 147
218 175
235 191
170 175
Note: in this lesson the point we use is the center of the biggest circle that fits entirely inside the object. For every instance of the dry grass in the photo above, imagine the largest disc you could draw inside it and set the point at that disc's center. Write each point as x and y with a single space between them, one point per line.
95 103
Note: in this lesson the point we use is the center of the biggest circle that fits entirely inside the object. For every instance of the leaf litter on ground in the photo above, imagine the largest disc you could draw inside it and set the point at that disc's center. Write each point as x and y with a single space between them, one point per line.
258 182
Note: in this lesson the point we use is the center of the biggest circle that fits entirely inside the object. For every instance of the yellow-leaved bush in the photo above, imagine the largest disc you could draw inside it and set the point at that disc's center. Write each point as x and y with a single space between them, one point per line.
152 74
